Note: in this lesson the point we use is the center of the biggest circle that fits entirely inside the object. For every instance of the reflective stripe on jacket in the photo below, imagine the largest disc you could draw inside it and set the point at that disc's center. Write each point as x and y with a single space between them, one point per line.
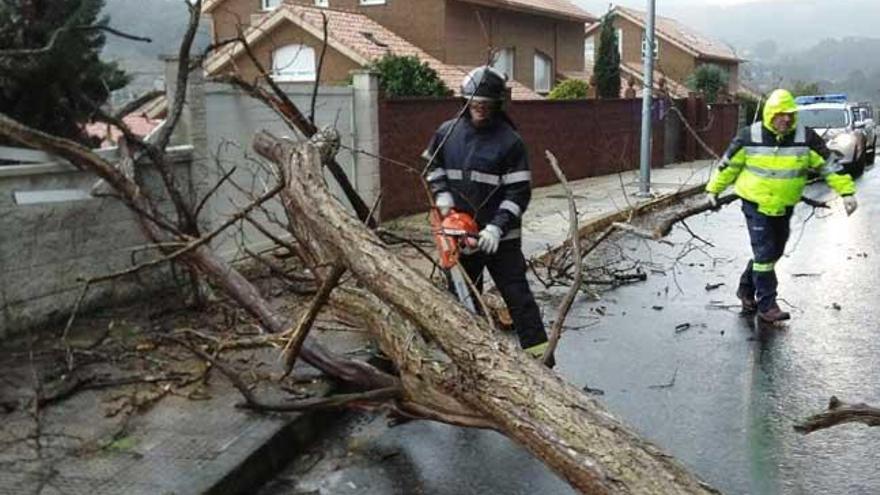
486 169
771 169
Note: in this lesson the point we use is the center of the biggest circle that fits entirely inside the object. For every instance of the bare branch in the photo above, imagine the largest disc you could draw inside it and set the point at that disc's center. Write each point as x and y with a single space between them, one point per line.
565 306
838 413
137 103
58 32
320 66
298 334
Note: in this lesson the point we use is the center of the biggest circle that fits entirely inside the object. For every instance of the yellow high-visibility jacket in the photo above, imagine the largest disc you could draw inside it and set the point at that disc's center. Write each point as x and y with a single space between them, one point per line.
770 169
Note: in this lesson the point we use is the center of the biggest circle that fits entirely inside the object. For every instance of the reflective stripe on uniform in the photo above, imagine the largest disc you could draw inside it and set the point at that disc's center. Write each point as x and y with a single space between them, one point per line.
776 174
763 267
514 177
800 135
511 207
832 166
512 234
426 155
484 178
756 131
454 174
777 151
436 174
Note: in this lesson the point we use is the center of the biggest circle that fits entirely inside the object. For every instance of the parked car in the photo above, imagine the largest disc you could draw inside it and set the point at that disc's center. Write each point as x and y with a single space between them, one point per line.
834 118
865 119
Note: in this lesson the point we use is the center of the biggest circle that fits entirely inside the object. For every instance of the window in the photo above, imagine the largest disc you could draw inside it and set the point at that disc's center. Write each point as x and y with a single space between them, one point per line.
543 73
504 62
589 52
371 2
620 43
269 4
322 3
645 46
293 63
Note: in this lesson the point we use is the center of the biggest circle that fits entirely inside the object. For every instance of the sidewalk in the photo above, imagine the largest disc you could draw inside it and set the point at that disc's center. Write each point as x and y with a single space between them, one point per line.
191 439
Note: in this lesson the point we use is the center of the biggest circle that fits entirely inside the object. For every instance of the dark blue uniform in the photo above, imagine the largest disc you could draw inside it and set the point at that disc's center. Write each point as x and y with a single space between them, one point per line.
486 170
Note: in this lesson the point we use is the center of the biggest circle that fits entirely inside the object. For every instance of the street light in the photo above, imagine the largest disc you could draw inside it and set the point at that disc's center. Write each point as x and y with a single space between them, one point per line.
647 100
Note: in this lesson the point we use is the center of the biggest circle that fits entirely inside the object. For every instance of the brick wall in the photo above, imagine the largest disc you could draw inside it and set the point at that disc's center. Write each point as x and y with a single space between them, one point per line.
591 137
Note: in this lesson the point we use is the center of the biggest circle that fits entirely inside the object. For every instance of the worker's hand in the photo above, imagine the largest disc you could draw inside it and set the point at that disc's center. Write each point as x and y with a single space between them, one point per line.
713 201
444 202
490 237
850 204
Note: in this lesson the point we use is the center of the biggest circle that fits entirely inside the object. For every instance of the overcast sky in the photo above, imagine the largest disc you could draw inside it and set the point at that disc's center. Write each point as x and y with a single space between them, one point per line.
743 23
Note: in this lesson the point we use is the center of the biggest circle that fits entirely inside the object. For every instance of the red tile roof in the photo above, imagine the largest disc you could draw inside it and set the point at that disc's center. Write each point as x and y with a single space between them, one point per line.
140 125
356 36
678 34
556 8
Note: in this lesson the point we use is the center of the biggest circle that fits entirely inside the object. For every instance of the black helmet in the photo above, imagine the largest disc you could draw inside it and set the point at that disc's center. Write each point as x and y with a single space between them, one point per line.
484 83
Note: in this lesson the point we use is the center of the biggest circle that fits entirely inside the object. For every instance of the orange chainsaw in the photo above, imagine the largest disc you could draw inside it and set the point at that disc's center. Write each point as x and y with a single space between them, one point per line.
454 234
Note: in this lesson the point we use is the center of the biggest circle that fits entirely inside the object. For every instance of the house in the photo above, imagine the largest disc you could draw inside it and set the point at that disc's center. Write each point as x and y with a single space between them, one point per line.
536 42
678 51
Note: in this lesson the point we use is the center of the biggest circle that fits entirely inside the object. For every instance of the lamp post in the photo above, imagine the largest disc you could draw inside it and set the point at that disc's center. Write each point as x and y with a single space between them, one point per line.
647 101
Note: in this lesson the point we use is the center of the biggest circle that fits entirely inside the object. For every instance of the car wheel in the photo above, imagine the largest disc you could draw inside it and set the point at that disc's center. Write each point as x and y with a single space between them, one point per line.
869 158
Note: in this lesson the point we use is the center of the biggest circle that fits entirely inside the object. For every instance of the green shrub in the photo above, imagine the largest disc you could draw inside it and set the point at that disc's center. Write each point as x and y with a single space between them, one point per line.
708 79
408 76
570 89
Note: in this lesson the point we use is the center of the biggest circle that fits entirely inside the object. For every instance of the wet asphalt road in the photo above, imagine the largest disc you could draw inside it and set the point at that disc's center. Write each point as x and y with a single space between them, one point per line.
720 393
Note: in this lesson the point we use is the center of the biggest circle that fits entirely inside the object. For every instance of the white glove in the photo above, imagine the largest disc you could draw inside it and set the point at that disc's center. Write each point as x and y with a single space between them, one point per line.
444 202
490 237
850 204
713 200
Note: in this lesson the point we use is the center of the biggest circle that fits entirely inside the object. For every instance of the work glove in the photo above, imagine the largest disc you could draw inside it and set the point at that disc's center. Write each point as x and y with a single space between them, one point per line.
444 202
490 237
850 204
713 200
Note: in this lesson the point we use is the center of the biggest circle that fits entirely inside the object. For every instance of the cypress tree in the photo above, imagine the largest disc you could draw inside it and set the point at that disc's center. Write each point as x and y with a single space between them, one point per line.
45 89
607 66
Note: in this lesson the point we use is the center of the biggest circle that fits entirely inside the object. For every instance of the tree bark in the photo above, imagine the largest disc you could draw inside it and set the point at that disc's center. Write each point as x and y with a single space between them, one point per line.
464 360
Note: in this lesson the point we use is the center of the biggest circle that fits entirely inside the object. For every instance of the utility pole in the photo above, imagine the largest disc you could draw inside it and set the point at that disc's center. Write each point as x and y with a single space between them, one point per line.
647 101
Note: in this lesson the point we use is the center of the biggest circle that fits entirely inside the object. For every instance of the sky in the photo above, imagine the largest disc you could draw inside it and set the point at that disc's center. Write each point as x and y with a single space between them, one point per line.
744 23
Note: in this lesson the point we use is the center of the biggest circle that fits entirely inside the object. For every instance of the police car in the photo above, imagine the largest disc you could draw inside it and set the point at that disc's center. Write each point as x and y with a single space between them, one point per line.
839 123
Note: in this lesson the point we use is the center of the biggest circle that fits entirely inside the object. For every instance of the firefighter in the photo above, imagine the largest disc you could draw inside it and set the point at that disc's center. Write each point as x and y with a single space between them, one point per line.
767 163
481 168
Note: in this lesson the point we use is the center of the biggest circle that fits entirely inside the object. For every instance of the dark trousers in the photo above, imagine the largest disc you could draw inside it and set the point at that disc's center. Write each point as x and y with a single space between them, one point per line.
508 270
768 236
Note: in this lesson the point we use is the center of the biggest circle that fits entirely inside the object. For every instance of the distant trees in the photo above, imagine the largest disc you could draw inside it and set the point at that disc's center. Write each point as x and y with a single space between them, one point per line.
801 88
51 76
408 76
606 69
708 79
570 89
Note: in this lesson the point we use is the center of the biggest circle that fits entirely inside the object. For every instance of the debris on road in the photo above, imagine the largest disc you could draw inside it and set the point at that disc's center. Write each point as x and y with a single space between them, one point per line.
682 327
710 287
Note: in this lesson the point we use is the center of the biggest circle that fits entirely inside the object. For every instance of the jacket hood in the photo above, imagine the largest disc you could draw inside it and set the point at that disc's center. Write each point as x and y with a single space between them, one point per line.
779 101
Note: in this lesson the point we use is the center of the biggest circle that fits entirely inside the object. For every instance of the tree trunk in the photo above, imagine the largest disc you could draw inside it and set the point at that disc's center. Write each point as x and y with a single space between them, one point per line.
468 363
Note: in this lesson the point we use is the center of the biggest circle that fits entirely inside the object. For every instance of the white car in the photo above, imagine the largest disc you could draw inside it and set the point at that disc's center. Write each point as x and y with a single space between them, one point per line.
834 118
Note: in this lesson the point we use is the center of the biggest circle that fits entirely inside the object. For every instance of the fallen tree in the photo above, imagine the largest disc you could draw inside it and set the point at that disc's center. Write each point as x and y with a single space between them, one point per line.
451 361
838 413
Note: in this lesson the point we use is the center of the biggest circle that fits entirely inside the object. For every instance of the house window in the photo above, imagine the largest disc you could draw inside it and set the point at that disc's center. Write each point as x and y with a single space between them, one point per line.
322 3
504 62
620 42
269 4
589 52
371 2
543 73
293 63
645 46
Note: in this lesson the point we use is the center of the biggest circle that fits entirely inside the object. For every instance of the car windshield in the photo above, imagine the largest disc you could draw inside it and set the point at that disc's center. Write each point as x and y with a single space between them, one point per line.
822 118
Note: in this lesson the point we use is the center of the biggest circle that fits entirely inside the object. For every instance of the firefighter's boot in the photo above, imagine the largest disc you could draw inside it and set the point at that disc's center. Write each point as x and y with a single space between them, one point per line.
749 305
774 314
